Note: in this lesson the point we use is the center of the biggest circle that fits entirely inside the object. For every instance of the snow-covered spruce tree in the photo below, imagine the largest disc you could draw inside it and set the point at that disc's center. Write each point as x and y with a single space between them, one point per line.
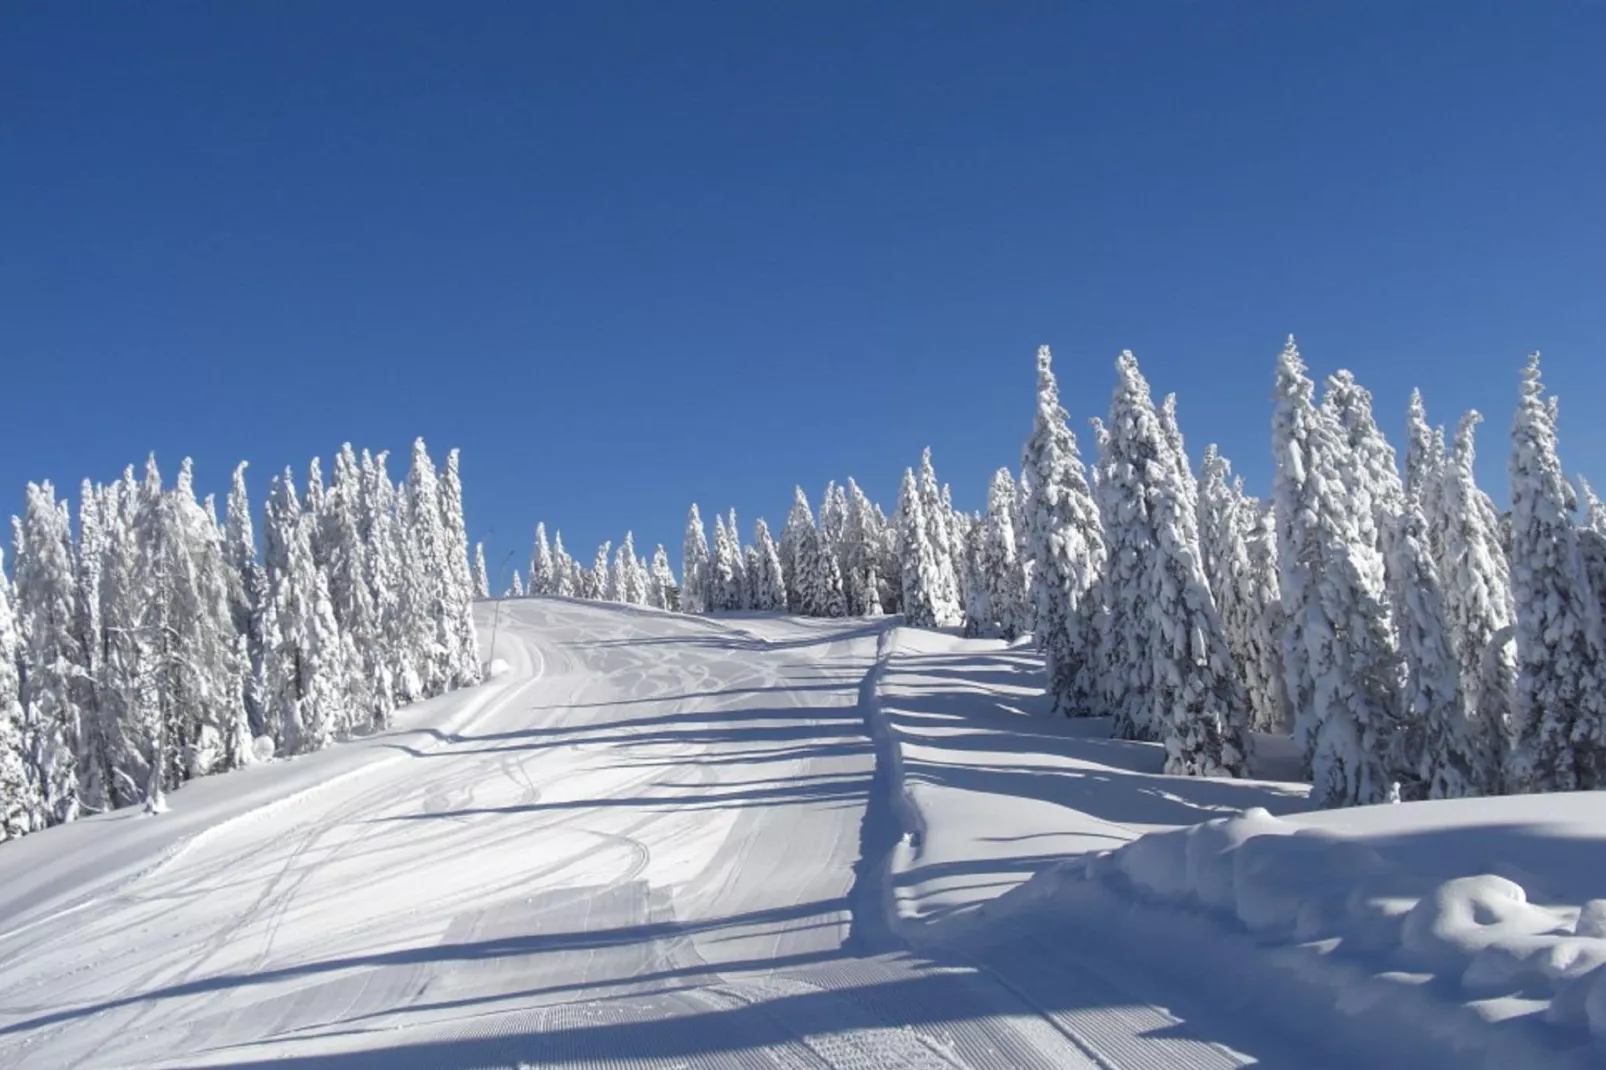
45 594
661 581
515 589
94 762
348 574
1000 566
543 570
599 581
464 643
208 701
799 520
563 571
1199 710
1476 578
246 594
889 573
1261 541
127 609
426 596
1376 490
736 592
830 536
1339 655
1559 726
22 810
825 596
980 617
1129 468
307 676
394 674
1188 485
1066 546
1226 521
768 584
917 558
694 566
722 582
1023 541
1423 461
1437 755
939 532
482 581
861 552
750 570
632 582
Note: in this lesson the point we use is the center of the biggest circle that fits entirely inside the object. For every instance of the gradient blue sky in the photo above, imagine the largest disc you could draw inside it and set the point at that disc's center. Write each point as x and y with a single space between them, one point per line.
631 255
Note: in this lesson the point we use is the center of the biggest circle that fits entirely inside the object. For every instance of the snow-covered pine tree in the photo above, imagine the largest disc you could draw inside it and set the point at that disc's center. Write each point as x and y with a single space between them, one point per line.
861 541
348 574
543 571
939 532
798 522
425 595
45 594
1226 521
1129 468
94 764
1187 484
482 581
1199 710
1559 726
246 593
980 617
22 810
723 585
394 674
463 639
632 580
661 581
750 577
999 563
834 533
1066 546
917 559
694 566
736 591
515 589
1339 654
307 675
1476 578
769 585
127 607
599 582
563 571
1373 479
1437 755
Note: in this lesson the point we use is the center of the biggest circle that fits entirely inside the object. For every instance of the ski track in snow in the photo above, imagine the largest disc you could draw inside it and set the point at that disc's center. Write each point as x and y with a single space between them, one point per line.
656 841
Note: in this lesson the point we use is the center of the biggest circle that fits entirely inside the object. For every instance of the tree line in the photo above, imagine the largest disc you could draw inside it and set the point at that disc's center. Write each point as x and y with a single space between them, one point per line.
151 643
1415 641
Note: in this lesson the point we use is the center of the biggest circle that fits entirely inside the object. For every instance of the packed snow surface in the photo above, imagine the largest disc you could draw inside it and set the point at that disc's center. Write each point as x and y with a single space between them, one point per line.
664 841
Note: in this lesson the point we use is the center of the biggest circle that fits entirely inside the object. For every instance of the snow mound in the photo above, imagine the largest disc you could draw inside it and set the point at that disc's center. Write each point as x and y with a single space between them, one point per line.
498 667
1447 955
262 748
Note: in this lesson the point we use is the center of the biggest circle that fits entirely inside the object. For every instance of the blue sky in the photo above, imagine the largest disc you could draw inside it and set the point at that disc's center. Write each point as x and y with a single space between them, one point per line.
631 255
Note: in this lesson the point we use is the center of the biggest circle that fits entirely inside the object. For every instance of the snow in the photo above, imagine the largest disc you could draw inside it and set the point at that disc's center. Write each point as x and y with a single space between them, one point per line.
656 840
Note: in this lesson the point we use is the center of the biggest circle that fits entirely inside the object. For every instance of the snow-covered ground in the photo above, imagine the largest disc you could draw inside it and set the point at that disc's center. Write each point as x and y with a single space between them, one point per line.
654 840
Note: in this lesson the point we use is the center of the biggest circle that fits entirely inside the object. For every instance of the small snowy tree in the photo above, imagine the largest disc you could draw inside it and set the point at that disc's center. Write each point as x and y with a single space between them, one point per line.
661 581
768 582
516 588
543 572
482 581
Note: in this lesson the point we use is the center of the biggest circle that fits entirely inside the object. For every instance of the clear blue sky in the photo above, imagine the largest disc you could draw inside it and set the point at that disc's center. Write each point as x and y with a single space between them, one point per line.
630 255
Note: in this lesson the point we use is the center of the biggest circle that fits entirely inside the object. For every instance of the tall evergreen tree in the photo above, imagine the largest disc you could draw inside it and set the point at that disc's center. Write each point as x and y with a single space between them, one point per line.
563 571
939 531
463 639
94 760
1559 725
246 594
515 589
799 528
45 596
1438 755
998 561
1066 547
769 585
694 566
917 559
22 809
1339 656
661 581
543 572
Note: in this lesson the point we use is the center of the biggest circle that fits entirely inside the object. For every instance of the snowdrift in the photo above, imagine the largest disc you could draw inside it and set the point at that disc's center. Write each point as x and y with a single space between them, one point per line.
1464 926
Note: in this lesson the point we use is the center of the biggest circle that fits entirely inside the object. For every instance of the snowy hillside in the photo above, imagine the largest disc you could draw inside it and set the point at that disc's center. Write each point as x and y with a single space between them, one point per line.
660 840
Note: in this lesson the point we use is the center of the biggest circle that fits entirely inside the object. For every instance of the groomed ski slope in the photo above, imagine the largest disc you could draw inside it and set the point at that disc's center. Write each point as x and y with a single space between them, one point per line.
653 841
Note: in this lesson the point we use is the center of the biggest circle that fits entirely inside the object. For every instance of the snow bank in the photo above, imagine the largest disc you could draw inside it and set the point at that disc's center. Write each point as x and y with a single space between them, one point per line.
1465 959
